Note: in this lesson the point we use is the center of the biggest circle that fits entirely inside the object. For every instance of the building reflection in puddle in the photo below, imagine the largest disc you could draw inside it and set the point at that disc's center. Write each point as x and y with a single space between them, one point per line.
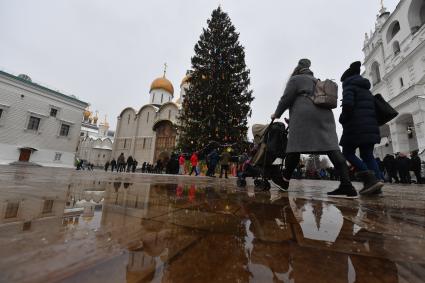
181 233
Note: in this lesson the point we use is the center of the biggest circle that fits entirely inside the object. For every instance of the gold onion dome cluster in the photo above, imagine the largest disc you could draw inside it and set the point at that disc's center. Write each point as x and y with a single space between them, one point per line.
86 114
162 83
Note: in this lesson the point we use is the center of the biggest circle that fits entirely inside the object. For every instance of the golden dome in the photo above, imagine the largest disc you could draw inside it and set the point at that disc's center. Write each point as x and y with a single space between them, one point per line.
162 83
86 114
185 80
95 118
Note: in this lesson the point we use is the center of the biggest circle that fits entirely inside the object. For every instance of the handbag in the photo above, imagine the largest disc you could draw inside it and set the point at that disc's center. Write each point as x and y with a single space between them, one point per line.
384 111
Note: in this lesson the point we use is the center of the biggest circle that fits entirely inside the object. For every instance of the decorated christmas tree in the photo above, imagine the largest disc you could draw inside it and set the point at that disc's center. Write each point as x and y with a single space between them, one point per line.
217 103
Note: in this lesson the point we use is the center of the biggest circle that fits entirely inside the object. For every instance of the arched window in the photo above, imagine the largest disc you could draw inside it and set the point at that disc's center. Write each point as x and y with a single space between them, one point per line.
147 118
376 74
416 15
393 29
396 47
162 97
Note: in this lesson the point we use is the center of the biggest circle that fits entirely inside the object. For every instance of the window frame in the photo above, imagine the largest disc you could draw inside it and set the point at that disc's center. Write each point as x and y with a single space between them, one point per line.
55 159
60 130
49 209
14 216
54 109
32 118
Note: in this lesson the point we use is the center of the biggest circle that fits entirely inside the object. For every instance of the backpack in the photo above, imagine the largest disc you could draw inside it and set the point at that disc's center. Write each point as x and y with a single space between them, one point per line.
325 94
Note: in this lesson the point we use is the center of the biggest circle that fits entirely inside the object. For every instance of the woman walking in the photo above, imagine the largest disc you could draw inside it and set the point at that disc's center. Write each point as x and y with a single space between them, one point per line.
311 130
360 128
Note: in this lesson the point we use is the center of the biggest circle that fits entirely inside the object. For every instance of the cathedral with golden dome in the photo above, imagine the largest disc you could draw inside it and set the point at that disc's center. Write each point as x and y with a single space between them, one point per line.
96 140
149 133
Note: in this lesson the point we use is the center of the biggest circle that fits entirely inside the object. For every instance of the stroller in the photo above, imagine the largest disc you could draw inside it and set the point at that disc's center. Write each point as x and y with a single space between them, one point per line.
269 144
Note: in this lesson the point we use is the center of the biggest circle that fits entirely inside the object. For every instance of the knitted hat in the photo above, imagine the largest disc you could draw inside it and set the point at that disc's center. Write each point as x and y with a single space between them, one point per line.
304 63
352 71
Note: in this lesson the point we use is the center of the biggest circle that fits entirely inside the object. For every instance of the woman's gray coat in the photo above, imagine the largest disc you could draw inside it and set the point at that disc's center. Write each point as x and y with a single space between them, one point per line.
311 128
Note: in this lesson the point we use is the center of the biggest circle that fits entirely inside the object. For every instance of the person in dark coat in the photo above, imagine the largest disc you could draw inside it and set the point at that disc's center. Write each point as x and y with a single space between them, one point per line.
134 165
121 162
129 163
213 159
107 166
416 166
113 164
403 167
391 168
312 129
360 128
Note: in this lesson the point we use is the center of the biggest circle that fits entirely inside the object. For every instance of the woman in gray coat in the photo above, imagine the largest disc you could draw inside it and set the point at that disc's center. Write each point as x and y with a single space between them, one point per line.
311 129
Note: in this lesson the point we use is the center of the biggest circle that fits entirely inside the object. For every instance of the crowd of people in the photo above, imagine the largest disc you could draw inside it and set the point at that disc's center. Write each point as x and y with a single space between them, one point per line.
313 131
397 168
176 164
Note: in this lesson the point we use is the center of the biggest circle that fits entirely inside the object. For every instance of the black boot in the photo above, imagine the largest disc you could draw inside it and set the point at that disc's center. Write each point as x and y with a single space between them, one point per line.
344 191
371 185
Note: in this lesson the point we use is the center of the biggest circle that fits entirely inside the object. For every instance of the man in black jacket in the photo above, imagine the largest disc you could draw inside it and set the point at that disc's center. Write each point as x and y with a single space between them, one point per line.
391 168
416 166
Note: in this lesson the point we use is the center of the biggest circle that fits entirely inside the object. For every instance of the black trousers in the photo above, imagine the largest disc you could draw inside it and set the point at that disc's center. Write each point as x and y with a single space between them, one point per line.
338 160
224 168
418 176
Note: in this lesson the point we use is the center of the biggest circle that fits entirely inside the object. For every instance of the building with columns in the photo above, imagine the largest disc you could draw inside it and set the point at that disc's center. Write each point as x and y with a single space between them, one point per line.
150 133
395 64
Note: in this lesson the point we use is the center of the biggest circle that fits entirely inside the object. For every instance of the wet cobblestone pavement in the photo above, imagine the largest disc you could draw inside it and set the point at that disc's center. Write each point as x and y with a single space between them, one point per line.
59 225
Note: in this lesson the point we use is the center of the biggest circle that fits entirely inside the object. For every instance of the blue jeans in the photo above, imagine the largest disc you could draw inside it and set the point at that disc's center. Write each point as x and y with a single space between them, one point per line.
367 161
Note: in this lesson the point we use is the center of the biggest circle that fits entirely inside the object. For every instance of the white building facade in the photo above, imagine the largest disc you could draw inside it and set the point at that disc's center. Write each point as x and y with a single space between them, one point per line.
150 133
37 124
395 65
96 140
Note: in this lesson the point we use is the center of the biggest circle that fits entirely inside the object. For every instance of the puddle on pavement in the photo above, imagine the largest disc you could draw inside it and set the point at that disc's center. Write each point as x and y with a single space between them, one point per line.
138 232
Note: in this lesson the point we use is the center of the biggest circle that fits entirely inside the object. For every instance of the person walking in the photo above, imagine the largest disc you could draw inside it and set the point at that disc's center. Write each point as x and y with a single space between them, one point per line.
194 161
182 161
403 166
213 159
113 164
134 165
224 162
360 128
391 168
107 166
416 166
129 163
312 129
121 162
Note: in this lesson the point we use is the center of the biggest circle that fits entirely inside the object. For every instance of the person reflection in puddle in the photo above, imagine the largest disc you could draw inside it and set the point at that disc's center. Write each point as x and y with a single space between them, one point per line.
307 241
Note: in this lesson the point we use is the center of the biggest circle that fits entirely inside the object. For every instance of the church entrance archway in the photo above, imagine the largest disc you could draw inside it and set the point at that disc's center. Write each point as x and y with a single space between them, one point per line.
165 142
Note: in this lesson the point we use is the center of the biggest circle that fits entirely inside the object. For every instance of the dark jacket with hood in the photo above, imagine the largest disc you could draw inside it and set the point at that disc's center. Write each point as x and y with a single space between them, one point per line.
358 118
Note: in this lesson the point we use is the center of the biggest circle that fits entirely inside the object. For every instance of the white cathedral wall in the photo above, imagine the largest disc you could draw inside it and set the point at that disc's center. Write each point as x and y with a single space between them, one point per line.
159 96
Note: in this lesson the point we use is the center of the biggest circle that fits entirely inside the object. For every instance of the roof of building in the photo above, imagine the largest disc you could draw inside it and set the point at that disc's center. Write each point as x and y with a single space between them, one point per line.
162 83
32 84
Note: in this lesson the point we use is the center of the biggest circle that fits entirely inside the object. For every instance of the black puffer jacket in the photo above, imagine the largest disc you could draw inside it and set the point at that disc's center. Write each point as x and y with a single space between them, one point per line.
358 116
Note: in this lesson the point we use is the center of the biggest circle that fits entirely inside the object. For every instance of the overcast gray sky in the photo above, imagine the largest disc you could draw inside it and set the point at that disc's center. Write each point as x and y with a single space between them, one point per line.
108 52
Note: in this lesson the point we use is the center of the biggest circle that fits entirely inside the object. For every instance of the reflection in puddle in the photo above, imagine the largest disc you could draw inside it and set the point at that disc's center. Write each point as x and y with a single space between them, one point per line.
318 220
187 233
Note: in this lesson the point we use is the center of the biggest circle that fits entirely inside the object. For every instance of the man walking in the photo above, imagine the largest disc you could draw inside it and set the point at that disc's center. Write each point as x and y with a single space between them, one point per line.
391 168
416 166
224 162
